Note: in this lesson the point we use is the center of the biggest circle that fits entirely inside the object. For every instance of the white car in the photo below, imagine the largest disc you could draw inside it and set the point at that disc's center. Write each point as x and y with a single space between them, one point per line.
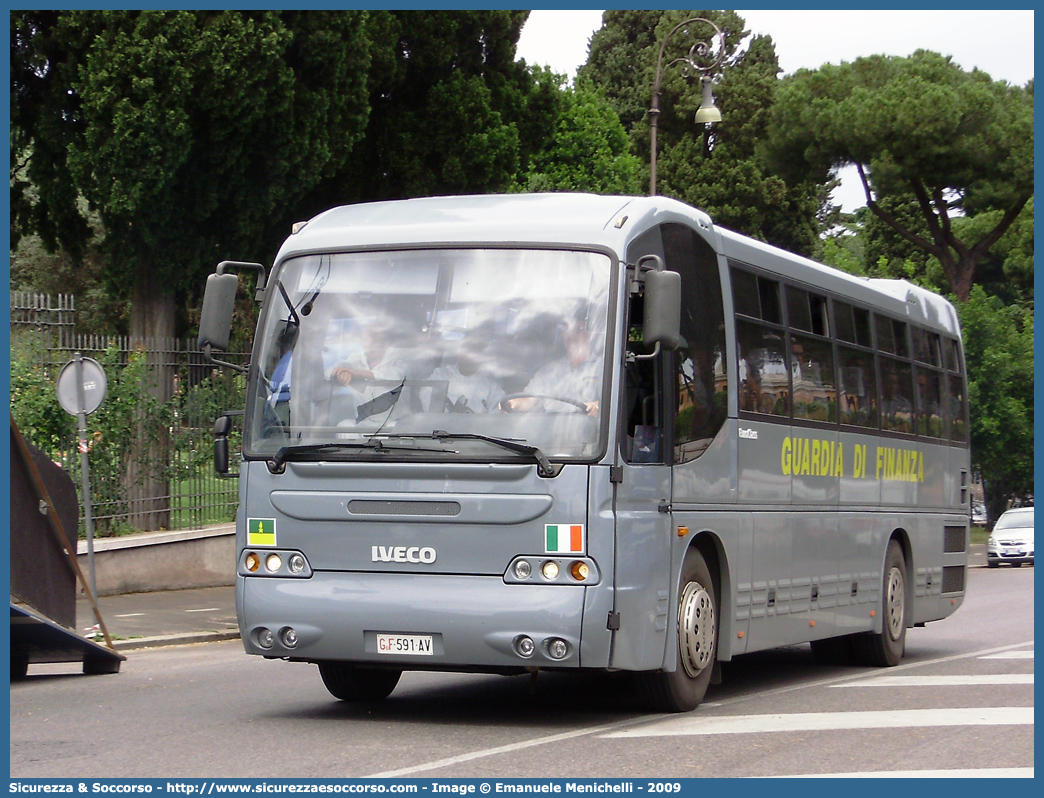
978 513
1012 539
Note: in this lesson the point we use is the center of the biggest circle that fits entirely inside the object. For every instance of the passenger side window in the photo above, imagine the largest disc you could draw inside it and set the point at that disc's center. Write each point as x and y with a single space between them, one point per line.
858 388
812 371
896 395
927 352
957 401
699 365
764 385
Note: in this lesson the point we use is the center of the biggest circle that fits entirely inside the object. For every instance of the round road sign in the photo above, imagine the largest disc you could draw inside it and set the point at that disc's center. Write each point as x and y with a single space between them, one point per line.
94 384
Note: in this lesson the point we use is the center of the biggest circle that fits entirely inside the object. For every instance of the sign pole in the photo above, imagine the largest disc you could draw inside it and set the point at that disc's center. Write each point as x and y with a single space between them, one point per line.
81 390
88 519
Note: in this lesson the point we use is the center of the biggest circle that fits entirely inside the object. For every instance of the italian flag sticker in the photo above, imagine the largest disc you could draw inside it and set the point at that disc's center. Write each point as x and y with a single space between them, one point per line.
564 538
261 532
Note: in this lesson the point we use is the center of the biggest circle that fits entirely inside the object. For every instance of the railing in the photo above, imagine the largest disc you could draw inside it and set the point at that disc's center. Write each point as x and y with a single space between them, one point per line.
150 445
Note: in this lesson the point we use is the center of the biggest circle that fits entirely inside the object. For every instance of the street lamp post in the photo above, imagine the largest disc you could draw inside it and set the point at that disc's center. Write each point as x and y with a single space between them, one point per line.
701 60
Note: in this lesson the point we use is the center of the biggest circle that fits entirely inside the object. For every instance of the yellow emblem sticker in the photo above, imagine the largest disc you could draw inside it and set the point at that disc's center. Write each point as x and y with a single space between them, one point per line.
261 532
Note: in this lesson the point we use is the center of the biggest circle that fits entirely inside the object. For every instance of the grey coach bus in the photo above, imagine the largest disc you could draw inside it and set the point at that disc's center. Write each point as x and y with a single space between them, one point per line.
513 433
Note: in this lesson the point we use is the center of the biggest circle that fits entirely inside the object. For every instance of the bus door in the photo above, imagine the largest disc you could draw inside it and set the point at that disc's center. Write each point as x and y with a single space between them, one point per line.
643 522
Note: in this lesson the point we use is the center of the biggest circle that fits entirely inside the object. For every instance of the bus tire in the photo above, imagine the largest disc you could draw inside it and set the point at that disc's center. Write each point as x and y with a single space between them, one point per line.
683 689
886 649
349 682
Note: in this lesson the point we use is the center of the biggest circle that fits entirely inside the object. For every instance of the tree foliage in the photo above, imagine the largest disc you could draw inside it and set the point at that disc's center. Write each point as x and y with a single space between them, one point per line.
451 110
188 131
999 353
719 168
921 131
588 149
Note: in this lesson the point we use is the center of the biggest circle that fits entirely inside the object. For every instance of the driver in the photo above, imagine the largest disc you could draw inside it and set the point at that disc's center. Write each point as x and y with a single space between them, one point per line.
576 376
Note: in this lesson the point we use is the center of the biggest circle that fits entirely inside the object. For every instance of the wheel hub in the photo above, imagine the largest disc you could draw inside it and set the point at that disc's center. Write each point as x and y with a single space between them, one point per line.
896 603
696 628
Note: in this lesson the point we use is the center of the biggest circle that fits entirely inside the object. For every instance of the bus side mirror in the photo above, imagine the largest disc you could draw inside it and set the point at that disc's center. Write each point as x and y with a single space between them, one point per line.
215 321
221 429
662 316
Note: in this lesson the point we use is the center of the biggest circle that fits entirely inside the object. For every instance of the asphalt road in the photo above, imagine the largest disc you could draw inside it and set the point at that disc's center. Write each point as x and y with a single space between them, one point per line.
960 704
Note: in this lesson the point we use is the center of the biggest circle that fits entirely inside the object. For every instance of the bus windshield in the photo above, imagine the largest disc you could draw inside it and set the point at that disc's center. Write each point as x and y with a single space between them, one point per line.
471 354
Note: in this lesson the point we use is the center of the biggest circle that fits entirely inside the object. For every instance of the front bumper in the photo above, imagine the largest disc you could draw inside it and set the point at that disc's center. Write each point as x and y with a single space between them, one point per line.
1009 554
474 621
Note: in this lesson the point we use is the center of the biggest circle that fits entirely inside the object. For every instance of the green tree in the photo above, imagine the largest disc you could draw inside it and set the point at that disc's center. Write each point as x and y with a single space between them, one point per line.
999 353
719 168
190 132
919 130
452 111
588 150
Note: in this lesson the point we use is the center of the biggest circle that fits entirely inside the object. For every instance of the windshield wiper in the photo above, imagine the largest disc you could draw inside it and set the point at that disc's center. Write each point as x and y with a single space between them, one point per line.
276 461
543 464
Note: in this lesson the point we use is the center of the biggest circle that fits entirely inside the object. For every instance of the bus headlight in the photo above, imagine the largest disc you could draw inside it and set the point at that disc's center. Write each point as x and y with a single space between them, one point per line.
273 562
523 569
549 570
579 571
296 563
252 562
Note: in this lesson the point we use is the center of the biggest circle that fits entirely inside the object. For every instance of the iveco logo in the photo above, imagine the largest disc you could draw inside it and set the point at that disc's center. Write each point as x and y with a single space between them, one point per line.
424 554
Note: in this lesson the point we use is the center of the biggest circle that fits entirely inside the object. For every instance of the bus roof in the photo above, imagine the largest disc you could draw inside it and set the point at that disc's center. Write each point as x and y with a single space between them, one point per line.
585 220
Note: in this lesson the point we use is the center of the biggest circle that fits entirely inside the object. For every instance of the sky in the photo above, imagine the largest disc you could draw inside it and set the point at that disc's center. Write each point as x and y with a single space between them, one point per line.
997 42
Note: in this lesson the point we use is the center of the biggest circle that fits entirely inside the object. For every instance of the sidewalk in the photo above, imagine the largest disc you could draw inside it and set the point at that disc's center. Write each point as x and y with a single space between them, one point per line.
165 618
200 615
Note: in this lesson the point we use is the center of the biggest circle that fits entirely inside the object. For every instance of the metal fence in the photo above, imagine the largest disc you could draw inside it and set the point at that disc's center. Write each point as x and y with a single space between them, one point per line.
150 444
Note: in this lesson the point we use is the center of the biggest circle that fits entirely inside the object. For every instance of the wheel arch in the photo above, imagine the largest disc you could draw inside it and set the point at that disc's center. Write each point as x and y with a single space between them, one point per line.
902 537
709 545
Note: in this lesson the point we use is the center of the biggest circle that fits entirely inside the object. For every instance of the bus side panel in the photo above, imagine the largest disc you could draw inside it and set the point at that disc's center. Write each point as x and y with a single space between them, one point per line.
770 573
859 541
808 605
859 483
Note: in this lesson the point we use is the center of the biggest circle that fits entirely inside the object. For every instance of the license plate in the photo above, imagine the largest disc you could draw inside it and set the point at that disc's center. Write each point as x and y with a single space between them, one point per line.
415 645
1013 552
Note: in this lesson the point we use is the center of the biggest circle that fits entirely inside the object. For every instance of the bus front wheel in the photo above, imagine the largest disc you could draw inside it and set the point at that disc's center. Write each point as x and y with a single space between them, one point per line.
886 649
349 682
683 689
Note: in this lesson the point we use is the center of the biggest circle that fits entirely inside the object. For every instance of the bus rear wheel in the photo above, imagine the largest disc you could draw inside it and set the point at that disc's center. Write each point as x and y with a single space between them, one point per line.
683 689
886 649
348 682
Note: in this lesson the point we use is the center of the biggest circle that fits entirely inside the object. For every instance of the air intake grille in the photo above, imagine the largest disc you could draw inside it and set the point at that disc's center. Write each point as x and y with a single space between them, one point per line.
954 539
375 507
953 579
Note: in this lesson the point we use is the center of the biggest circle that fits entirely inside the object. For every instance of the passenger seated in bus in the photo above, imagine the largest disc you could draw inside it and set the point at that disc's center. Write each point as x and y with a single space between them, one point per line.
471 388
576 375
378 358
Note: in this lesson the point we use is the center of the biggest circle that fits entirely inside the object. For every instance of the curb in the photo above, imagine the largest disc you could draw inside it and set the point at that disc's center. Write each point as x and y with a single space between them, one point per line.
163 641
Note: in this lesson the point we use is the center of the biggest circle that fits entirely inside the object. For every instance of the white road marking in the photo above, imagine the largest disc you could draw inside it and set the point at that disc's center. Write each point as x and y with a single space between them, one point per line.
1011 655
830 721
501 749
131 615
206 609
971 773
488 752
941 681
